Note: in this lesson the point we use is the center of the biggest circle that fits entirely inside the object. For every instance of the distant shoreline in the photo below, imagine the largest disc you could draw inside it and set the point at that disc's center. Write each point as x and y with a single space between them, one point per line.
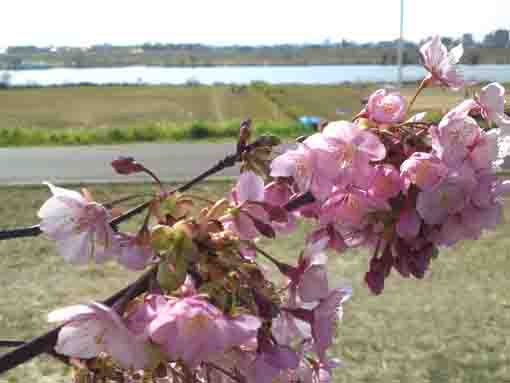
218 66
191 56
233 75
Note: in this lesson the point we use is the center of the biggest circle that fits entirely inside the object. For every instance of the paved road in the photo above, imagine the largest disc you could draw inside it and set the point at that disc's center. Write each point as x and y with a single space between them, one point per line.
92 164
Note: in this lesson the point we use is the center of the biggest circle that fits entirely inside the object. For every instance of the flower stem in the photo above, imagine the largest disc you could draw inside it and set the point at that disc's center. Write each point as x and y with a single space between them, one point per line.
198 198
46 342
224 371
422 86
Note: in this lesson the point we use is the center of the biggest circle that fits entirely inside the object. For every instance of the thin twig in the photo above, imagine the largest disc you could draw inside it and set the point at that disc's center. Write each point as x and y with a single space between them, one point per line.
299 201
425 124
277 263
45 343
35 230
422 86
133 291
111 204
225 372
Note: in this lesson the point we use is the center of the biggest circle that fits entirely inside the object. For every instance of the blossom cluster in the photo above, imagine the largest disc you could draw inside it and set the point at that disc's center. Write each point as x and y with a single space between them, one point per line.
396 184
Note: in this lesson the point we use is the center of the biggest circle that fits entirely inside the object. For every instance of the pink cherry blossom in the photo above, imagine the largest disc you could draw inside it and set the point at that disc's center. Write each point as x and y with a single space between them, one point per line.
305 165
140 316
309 279
135 250
310 210
248 217
386 183
454 230
78 225
454 137
441 64
490 103
351 207
484 153
278 193
332 233
325 317
502 187
94 328
484 194
449 197
288 330
413 258
475 220
353 150
469 224
312 372
424 170
269 364
409 224
386 107
193 330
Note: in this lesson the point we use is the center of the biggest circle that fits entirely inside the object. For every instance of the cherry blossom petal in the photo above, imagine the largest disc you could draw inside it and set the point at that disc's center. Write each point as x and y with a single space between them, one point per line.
77 249
79 341
68 313
250 187
409 224
492 97
313 284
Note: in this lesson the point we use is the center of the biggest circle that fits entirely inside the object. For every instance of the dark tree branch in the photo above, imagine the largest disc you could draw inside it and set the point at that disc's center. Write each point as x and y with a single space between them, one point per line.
11 343
224 372
299 201
31 231
45 343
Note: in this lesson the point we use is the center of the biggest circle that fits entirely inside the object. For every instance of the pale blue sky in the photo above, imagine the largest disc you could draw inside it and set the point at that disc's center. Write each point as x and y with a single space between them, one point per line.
86 22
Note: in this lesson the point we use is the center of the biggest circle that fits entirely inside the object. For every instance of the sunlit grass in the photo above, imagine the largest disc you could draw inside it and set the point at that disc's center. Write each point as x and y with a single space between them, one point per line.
151 132
452 326
124 114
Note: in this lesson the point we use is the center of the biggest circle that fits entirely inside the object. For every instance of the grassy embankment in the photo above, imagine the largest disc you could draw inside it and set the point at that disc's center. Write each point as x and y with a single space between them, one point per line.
452 326
117 114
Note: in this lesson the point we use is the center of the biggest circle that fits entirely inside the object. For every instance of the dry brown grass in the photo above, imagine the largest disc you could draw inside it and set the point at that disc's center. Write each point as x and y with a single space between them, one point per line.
452 326
93 107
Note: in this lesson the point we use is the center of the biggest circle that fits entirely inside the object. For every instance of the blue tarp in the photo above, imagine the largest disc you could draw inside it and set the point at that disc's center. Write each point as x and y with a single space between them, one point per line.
310 120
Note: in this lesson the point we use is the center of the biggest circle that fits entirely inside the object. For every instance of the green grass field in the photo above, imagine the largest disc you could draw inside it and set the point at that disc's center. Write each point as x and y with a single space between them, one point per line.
453 326
122 114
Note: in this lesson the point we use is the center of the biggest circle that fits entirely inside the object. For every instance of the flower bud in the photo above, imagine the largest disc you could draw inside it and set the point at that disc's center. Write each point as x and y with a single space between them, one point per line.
127 165
385 107
172 273
244 135
161 237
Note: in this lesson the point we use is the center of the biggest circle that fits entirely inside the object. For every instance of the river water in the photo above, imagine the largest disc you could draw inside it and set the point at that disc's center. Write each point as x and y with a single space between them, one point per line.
332 74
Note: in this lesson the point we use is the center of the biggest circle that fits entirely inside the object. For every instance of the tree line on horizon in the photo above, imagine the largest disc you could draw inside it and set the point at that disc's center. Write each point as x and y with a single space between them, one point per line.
492 49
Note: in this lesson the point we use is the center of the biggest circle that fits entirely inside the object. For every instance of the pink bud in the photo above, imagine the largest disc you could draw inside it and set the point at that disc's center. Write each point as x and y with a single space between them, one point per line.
127 165
386 108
